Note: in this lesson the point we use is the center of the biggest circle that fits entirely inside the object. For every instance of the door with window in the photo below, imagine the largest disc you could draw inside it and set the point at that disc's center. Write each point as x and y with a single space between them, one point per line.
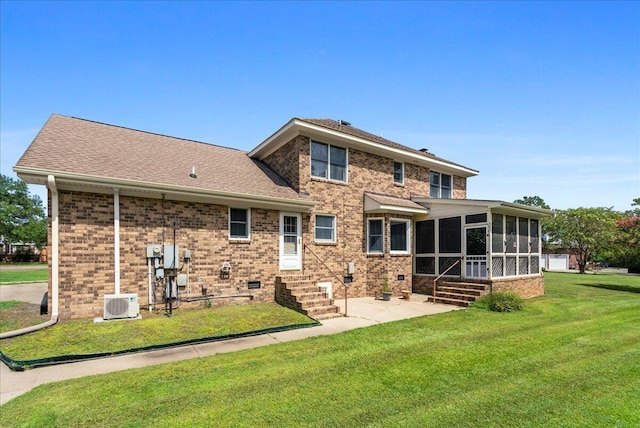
290 241
476 252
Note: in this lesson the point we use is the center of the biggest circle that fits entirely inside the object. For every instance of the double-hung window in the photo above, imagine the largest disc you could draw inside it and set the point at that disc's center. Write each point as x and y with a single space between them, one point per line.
328 162
325 228
400 236
375 236
440 185
239 223
398 173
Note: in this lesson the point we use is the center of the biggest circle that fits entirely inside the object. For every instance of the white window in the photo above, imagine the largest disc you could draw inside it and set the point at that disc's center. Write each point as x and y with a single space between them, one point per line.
440 185
325 228
375 236
239 223
328 162
400 236
398 172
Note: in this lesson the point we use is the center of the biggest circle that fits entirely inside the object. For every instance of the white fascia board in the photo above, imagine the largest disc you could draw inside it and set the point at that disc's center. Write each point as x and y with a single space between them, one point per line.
372 206
297 127
497 206
69 181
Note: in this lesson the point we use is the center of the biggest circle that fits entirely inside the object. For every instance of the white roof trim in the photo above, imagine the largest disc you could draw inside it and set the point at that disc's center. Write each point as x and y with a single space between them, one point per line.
491 205
373 206
297 127
69 181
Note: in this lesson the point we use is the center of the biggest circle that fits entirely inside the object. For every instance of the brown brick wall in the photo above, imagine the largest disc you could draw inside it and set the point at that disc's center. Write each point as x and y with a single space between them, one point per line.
366 173
87 251
525 286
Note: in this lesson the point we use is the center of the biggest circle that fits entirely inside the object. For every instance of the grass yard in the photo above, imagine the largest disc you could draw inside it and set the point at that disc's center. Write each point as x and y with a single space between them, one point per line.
571 359
86 337
38 274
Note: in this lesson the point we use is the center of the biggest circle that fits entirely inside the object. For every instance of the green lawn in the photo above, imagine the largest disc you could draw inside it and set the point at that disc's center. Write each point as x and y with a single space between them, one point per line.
38 274
86 337
571 359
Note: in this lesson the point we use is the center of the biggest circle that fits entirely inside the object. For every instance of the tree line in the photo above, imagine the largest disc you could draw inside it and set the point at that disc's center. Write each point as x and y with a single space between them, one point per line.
593 234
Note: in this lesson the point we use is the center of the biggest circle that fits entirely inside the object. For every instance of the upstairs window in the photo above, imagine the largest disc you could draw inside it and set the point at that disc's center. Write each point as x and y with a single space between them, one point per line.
440 185
328 162
239 223
398 172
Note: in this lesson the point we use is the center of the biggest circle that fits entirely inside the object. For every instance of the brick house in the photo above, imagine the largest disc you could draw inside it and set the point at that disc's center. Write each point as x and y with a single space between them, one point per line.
318 210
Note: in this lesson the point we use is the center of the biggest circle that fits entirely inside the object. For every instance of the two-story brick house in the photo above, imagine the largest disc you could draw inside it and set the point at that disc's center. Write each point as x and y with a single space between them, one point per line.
319 202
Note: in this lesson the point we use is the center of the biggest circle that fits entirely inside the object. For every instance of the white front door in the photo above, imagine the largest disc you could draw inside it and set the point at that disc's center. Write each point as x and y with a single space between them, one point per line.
290 241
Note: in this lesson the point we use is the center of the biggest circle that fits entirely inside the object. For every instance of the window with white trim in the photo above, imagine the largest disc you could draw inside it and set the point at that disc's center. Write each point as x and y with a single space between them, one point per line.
440 185
239 223
328 162
398 172
375 236
400 236
325 228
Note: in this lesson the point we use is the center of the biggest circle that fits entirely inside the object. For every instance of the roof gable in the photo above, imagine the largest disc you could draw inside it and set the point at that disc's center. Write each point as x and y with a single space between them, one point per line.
349 136
98 152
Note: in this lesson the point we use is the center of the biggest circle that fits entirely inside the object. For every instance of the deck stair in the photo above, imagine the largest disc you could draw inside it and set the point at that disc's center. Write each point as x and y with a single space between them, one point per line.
459 293
300 293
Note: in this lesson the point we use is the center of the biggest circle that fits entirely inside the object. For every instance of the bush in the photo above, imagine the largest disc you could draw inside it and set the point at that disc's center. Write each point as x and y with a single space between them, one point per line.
500 301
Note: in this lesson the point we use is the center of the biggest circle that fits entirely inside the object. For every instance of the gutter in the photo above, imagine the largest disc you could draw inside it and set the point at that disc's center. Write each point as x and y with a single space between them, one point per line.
55 272
126 184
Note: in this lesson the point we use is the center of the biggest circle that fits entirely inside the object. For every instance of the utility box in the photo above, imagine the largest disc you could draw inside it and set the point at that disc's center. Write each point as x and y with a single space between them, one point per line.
169 253
351 268
154 251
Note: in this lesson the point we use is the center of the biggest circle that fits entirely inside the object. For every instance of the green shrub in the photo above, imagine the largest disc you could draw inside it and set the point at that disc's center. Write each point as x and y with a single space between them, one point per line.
500 301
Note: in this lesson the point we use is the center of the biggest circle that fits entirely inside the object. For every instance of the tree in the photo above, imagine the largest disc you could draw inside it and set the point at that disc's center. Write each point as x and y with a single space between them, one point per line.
22 217
586 232
533 201
628 253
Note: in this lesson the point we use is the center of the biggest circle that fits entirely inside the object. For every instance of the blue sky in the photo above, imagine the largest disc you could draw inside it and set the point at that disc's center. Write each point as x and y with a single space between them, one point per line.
542 98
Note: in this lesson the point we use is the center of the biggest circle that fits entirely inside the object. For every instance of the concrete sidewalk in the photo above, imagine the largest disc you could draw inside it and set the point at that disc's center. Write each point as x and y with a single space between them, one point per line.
362 312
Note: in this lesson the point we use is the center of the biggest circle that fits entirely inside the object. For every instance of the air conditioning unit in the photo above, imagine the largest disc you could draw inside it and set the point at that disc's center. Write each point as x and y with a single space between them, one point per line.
121 306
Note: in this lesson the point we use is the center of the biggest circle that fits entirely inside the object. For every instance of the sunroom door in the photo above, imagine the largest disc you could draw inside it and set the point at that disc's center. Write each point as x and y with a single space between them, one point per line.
476 252
290 241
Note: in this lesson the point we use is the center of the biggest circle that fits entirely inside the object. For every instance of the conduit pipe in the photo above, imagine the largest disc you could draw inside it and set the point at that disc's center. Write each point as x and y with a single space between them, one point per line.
116 238
55 272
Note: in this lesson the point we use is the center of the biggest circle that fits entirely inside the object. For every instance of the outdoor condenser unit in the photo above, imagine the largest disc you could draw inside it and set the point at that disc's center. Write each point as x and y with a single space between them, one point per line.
121 306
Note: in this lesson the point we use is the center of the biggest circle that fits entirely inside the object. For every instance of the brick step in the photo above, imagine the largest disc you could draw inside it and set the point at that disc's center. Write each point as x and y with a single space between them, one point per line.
295 278
327 316
464 285
459 296
312 288
312 303
309 295
448 301
468 291
322 312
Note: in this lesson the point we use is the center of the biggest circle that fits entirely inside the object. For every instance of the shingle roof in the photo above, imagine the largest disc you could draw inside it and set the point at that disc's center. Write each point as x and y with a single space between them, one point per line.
350 130
79 146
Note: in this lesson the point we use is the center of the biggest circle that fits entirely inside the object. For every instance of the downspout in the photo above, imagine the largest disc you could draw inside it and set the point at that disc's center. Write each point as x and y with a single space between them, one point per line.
116 238
55 272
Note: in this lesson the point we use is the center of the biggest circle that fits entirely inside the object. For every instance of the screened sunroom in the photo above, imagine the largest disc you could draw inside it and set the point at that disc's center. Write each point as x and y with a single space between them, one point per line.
478 239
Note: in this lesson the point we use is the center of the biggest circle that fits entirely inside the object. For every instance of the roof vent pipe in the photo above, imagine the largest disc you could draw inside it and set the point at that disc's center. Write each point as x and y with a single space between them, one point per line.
343 122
